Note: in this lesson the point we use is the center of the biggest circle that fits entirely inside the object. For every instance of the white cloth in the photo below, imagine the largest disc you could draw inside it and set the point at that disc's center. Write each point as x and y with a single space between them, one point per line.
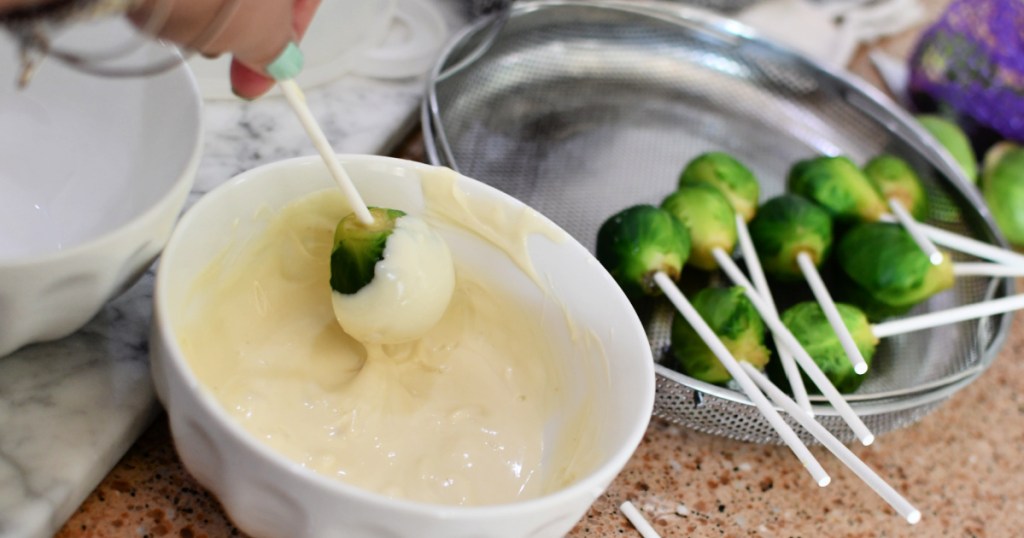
831 32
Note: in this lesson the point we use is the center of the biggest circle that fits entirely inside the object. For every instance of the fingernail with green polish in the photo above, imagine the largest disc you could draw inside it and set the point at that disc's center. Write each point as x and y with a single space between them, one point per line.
288 64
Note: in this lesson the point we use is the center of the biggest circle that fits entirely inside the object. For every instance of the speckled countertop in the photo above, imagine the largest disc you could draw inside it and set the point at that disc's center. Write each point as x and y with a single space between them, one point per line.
962 466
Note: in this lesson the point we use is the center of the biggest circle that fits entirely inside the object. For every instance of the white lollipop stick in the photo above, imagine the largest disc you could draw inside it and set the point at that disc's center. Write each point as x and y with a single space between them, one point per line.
787 434
987 269
916 232
828 306
968 245
789 367
637 519
951 315
865 473
297 100
785 337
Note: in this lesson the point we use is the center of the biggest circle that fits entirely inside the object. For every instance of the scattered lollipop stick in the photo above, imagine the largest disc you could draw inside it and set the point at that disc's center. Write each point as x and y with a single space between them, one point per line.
637 519
865 473
789 367
297 100
987 269
828 306
968 245
951 315
916 232
785 338
787 434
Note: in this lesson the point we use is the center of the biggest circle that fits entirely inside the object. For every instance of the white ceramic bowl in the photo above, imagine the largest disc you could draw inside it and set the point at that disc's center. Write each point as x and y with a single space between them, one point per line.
93 174
267 495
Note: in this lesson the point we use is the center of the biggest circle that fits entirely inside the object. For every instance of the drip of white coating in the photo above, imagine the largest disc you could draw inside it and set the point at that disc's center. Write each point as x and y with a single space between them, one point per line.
410 291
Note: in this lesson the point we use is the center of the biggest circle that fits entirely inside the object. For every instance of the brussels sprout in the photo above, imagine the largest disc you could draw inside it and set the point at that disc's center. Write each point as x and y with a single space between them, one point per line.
358 247
1002 184
811 328
838 185
640 241
886 273
729 176
784 227
894 178
733 318
954 140
708 217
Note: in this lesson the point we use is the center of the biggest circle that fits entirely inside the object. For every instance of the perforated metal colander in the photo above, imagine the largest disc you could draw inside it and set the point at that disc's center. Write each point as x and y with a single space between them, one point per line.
581 109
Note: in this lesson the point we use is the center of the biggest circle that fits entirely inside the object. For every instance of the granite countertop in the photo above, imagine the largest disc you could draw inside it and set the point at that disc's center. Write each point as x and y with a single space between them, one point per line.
962 465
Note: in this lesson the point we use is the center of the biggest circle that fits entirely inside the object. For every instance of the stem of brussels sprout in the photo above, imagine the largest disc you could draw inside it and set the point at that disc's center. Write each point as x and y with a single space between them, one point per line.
789 367
828 306
682 304
784 337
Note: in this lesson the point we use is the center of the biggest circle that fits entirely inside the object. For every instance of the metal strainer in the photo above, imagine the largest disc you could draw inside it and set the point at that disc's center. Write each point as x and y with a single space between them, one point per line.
581 109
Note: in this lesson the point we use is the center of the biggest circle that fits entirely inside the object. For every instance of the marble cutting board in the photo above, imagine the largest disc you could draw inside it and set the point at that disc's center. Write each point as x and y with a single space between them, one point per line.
70 409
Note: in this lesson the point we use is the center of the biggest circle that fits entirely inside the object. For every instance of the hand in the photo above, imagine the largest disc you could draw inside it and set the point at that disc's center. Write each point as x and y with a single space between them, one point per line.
253 31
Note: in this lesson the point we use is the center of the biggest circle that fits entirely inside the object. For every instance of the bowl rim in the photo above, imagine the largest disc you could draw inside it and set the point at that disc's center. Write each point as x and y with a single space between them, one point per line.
586 485
184 180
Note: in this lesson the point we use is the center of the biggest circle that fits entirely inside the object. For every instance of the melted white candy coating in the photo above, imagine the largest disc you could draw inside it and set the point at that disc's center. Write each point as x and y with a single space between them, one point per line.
410 291
456 417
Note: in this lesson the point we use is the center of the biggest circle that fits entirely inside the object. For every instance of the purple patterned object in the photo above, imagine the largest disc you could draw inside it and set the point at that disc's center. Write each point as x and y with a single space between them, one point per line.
970 64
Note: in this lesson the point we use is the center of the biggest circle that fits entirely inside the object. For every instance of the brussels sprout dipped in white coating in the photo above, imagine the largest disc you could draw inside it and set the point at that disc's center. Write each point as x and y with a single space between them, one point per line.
392 279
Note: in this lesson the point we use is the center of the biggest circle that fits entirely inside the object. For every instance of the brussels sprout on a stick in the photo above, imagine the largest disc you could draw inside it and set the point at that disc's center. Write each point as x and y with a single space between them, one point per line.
896 179
846 192
727 174
809 324
738 184
886 274
838 185
642 247
640 241
899 185
793 237
786 226
391 279
786 339
715 344
709 218
731 316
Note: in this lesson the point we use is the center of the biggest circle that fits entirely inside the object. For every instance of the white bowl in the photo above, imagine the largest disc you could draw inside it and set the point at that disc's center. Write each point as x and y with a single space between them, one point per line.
267 495
93 174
